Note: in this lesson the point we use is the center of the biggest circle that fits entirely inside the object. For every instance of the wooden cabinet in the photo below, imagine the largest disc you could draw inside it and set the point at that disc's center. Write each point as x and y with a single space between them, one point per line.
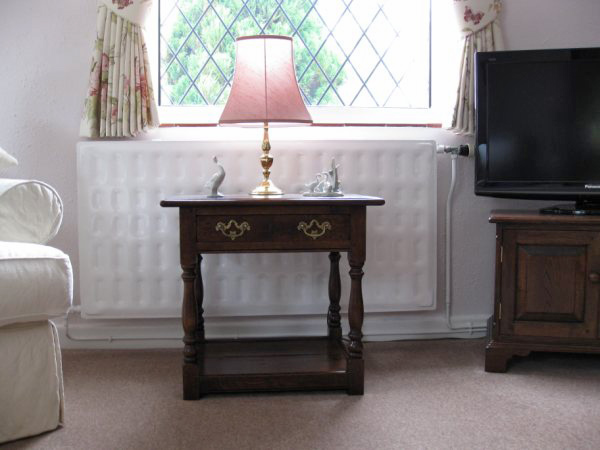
547 286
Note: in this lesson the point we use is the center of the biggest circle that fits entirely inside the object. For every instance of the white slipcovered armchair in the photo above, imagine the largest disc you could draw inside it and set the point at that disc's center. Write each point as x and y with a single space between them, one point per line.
36 284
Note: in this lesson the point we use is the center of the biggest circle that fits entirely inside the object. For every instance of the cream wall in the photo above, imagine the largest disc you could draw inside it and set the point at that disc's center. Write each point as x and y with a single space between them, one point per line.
44 60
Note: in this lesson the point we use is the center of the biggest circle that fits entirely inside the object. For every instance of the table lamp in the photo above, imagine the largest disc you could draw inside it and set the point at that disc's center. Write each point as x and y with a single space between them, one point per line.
265 91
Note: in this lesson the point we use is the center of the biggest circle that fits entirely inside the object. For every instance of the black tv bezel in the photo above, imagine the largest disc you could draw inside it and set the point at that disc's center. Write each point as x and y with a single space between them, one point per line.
534 190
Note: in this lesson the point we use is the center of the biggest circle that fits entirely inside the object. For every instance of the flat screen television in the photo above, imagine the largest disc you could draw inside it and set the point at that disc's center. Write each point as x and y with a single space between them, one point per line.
538 126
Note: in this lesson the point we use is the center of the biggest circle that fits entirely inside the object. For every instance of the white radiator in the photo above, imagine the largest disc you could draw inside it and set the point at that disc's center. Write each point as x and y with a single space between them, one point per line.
129 245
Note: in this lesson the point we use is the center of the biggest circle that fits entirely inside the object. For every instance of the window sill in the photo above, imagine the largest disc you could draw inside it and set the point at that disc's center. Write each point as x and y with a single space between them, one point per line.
208 116
320 132
350 124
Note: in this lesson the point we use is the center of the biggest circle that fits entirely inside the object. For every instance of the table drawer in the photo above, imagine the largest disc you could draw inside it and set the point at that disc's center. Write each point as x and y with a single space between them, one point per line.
293 228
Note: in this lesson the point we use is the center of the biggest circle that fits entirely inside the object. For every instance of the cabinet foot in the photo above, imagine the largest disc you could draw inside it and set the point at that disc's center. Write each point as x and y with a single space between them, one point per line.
496 359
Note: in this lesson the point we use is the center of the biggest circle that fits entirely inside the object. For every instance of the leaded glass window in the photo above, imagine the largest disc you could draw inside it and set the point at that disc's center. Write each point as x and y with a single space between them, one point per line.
361 53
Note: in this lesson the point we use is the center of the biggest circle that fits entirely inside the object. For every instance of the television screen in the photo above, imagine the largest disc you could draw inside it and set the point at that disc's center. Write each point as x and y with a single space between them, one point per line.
538 124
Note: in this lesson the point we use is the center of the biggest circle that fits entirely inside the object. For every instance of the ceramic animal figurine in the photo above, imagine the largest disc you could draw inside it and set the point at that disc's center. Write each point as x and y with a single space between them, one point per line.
216 180
313 184
325 184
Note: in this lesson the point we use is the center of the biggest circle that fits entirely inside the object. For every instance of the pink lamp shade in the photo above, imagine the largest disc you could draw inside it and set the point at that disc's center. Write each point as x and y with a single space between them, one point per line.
265 89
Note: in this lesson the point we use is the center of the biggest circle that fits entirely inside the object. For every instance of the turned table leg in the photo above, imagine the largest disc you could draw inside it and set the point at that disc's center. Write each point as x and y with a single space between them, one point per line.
199 296
193 328
355 317
334 325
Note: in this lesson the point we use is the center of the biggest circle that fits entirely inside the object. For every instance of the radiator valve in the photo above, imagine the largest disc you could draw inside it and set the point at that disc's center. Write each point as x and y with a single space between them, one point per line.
461 150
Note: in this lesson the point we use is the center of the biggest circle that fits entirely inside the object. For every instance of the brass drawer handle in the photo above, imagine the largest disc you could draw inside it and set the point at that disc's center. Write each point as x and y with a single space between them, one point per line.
232 234
322 228
594 277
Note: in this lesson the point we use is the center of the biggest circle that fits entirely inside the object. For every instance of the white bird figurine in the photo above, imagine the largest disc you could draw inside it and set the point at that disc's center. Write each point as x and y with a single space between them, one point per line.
216 180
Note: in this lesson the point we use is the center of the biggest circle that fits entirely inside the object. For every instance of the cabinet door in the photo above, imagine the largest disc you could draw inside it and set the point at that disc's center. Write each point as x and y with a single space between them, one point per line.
549 283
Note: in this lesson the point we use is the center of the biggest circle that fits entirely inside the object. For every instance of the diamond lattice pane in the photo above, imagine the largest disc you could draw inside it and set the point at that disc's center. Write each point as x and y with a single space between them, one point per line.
245 24
313 84
364 11
262 11
211 30
347 52
279 24
228 11
329 58
381 33
312 31
296 10
224 56
351 84
347 33
178 30
193 9
166 8
330 11
381 84
364 58
211 82
192 97
364 99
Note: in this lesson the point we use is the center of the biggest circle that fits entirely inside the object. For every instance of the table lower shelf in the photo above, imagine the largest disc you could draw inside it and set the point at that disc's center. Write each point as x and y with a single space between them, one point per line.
246 365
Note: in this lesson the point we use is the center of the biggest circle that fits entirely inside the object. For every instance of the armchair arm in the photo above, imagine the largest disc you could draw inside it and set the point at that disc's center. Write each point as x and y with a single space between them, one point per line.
30 211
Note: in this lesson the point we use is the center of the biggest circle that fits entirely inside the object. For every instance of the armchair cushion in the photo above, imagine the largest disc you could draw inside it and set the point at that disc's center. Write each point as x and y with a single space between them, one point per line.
30 211
36 282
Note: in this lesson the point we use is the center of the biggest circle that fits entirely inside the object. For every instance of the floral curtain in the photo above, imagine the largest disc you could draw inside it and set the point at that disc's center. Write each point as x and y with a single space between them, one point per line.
479 24
120 100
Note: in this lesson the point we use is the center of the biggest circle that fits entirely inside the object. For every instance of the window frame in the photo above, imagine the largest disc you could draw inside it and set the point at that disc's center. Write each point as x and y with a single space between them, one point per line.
444 67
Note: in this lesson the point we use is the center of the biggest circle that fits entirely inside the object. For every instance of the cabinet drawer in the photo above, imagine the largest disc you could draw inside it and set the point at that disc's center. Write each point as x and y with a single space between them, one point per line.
289 228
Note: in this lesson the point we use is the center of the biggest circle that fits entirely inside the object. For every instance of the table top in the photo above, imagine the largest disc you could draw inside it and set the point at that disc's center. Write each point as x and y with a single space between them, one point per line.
282 200
534 217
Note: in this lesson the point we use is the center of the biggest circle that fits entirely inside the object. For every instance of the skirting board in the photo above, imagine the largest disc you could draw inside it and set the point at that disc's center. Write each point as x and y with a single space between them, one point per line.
167 333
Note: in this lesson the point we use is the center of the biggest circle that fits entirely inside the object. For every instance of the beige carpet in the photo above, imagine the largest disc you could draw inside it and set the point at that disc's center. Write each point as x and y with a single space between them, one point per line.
421 395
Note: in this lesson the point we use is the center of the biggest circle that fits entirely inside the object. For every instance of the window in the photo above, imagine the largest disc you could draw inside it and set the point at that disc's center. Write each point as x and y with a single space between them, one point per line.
352 56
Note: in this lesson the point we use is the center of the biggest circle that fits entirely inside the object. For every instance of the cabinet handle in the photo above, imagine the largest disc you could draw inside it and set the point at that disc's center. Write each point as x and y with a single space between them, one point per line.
321 228
594 277
232 234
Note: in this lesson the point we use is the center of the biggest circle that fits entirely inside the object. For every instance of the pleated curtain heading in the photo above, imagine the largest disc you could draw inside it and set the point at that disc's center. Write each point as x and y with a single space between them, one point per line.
120 100
478 20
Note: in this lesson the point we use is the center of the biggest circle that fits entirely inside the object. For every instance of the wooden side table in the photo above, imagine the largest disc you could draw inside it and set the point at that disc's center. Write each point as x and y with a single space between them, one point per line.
290 223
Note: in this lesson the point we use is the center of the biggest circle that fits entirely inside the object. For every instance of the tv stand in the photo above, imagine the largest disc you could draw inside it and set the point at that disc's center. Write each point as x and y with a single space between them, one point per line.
547 295
579 208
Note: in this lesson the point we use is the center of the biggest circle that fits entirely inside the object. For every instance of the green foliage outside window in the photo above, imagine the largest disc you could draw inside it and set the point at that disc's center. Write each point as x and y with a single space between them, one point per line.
210 20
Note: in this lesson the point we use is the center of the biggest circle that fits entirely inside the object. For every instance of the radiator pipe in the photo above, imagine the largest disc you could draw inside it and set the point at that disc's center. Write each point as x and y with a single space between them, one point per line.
109 339
455 152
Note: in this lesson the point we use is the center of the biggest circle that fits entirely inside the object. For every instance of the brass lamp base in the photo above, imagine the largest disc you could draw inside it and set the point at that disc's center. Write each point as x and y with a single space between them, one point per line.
266 187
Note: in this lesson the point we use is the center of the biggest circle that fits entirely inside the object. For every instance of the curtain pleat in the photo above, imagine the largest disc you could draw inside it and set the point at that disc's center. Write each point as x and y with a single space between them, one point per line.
120 100
488 38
